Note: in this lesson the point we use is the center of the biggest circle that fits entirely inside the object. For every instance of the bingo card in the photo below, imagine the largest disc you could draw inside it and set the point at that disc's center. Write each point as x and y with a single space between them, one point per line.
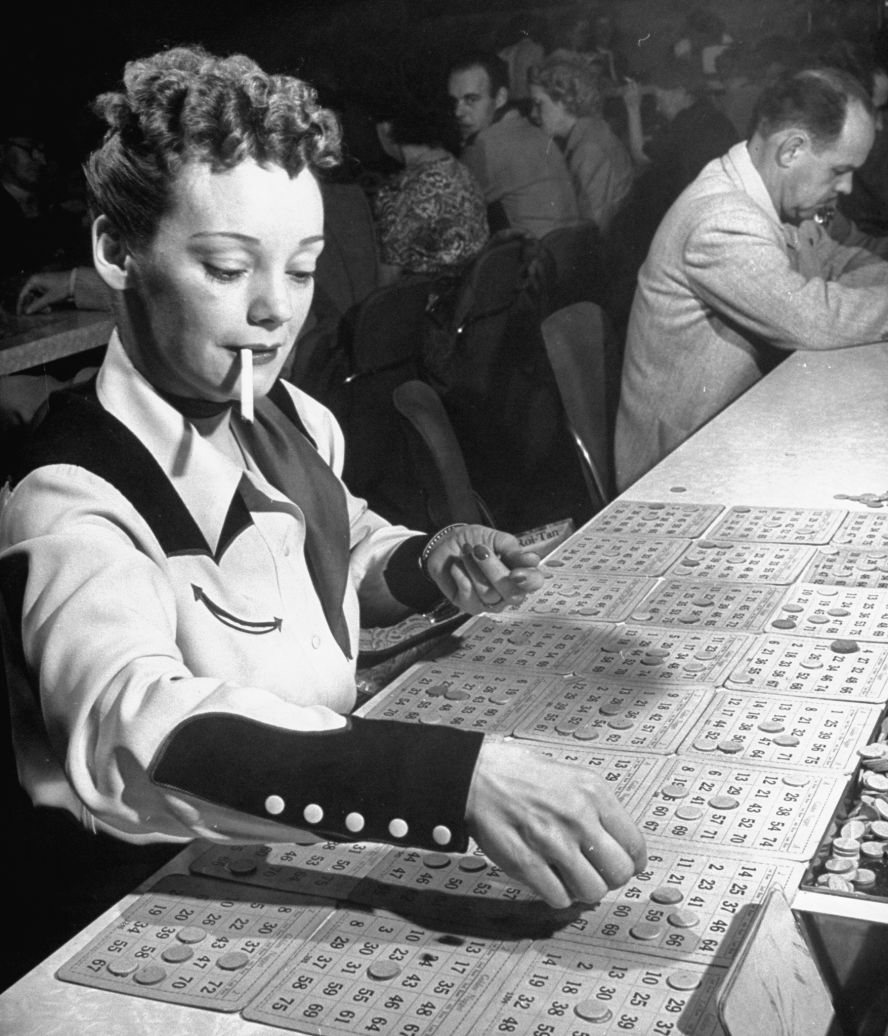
847 612
329 869
742 562
848 566
813 667
459 696
613 715
737 808
193 942
375 972
863 529
642 518
704 605
607 597
590 550
793 733
778 524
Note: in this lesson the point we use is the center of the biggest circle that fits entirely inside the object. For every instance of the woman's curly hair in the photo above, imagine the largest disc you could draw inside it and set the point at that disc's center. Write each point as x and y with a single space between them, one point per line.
571 79
185 104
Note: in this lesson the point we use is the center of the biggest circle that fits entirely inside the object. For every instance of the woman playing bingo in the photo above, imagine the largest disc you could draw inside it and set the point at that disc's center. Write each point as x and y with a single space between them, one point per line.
182 569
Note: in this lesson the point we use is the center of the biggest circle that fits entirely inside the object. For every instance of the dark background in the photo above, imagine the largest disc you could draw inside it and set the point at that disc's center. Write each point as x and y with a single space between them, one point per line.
54 59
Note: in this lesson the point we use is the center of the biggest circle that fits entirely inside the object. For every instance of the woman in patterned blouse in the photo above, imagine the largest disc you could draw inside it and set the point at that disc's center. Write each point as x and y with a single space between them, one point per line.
430 216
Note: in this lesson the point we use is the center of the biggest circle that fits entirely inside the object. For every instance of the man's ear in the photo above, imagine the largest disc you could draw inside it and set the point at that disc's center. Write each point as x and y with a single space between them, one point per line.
501 98
793 145
110 254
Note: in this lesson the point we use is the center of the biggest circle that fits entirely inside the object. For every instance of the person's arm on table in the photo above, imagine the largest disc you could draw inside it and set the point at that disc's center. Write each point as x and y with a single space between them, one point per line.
737 267
80 286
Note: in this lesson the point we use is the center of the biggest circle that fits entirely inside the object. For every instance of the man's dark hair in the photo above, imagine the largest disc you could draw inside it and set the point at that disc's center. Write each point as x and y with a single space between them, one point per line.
497 70
185 104
813 99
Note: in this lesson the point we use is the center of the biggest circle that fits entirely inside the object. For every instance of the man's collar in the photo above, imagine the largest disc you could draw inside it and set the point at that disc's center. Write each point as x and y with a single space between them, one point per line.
750 179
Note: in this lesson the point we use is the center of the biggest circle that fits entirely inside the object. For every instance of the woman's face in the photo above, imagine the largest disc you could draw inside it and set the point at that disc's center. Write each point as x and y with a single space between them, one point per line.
230 267
550 115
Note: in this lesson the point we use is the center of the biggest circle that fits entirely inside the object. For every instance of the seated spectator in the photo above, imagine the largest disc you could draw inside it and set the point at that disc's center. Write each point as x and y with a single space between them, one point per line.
567 103
525 180
691 133
431 217
703 39
744 70
522 44
740 272
36 230
603 46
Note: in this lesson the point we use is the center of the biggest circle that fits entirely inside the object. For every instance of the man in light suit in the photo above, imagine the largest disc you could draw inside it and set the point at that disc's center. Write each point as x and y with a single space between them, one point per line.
742 270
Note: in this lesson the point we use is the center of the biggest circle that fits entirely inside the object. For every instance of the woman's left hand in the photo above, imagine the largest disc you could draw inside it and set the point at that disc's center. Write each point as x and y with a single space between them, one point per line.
480 569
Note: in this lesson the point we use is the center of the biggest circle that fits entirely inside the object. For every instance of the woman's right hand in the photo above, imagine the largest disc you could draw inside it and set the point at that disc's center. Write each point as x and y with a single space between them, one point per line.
554 826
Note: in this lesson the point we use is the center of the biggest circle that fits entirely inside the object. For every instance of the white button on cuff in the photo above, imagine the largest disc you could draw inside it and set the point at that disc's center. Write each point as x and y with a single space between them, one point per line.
274 805
354 822
441 835
313 813
398 828
315 641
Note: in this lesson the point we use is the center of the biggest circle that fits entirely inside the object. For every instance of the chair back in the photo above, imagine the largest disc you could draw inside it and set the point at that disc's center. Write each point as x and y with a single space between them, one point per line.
438 464
475 312
580 344
577 267
381 342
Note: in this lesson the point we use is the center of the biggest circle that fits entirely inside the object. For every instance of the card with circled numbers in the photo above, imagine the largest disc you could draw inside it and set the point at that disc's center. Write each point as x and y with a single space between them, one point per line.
795 733
605 597
579 710
590 550
814 667
329 869
526 643
370 971
863 529
376 972
686 904
731 807
742 561
848 566
651 518
630 653
709 605
488 700
190 941
846 612
778 524
660 656
556 988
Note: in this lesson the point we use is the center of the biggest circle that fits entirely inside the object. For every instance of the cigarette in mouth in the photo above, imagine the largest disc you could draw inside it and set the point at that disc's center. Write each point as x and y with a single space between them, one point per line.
246 384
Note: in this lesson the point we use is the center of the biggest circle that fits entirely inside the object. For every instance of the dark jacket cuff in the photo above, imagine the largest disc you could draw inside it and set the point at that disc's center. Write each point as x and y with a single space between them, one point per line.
372 780
407 581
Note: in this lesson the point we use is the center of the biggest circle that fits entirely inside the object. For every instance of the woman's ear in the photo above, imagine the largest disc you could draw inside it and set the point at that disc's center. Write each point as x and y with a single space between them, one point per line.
110 254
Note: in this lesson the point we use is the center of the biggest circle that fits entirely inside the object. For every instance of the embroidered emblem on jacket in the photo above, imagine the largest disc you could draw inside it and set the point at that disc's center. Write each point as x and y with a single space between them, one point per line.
233 621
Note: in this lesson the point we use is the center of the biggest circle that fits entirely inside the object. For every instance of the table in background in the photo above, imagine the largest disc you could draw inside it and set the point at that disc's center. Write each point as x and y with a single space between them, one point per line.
815 428
27 342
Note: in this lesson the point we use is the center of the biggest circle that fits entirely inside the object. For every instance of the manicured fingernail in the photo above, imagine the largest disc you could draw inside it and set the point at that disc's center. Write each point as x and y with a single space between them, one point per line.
481 552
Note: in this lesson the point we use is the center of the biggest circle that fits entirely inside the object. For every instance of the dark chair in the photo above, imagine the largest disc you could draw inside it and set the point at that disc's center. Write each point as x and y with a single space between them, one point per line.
474 313
581 347
437 459
380 340
499 392
577 265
